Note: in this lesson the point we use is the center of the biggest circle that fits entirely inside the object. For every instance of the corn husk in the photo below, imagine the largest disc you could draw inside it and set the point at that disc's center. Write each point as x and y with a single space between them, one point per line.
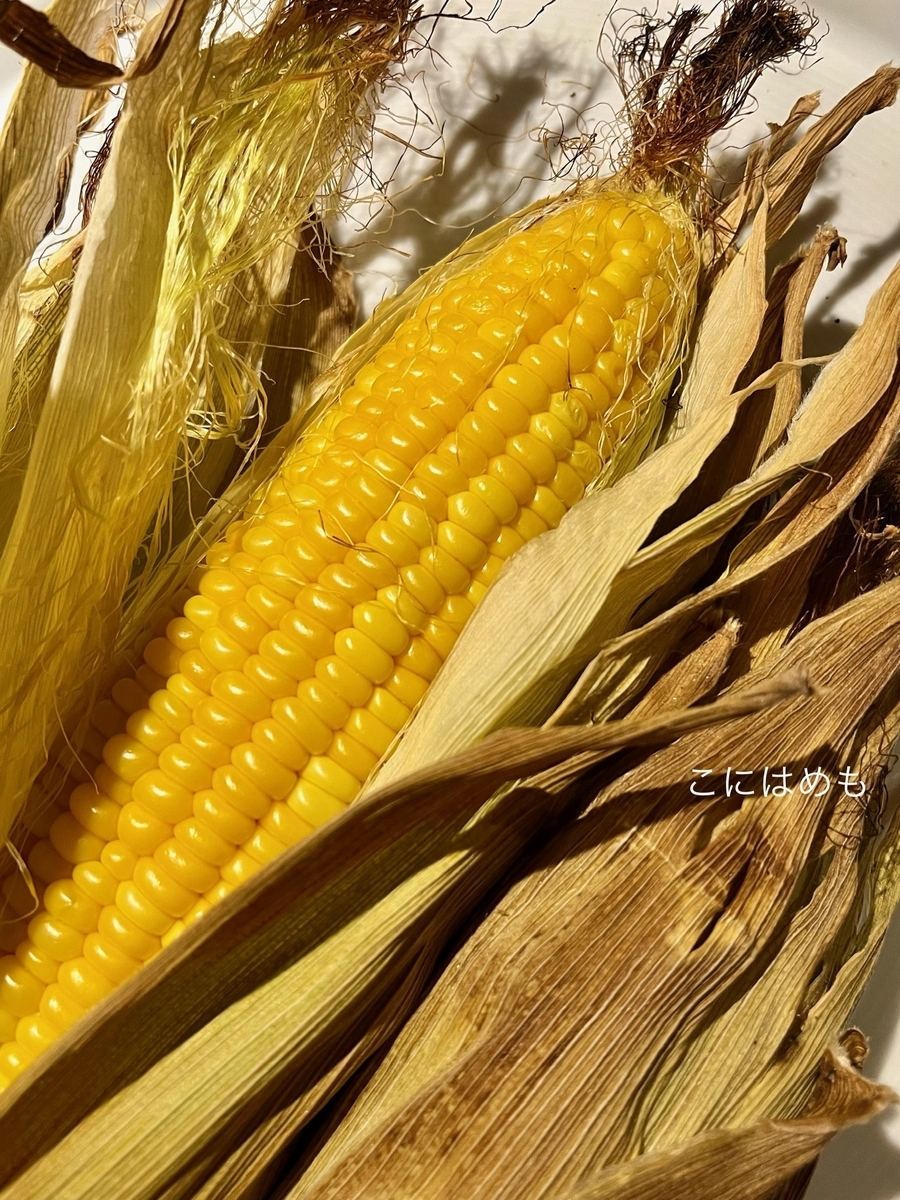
645 989
219 156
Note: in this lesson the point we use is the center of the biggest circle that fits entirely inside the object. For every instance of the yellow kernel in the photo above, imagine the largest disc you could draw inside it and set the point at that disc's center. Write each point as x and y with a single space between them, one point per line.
108 717
361 652
95 881
465 547
46 863
625 340
571 347
610 370
489 571
163 797
548 507
34 1034
548 429
513 476
14 1058
267 605
337 781
65 900
625 222
584 461
150 730
222 650
263 847
628 282
346 518
472 514
108 959
378 623
183 634
478 436
83 982
285 653
529 525
595 325
153 900
420 659
566 485
72 841
276 741
447 570
364 727
388 707
118 859
412 520
241 868
523 384
503 410
127 758
129 695
456 612
222 722
351 685
496 496
270 776
445 475
393 543
55 937
313 804
162 657
533 455
548 366
20 991
227 821
313 734
476 591
439 635
202 838
283 823
149 680
464 453
121 931
636 253
221 586
40 964
185 867
235 786
94 812
352 756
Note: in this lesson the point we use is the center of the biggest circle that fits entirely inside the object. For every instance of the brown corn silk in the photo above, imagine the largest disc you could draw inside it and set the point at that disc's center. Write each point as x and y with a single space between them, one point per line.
723 874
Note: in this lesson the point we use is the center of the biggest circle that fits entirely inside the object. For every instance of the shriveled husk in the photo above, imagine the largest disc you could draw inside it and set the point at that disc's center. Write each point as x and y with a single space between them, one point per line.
219 157
218 1055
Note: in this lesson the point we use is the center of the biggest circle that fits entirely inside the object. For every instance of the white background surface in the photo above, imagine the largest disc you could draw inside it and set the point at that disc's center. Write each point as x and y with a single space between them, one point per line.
480 98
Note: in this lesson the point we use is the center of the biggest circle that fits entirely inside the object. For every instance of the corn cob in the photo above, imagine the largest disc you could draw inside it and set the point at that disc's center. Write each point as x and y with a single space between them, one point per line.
320 619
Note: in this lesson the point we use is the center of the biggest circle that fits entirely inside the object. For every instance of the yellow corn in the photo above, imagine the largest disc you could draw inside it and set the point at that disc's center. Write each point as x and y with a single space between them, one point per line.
319 621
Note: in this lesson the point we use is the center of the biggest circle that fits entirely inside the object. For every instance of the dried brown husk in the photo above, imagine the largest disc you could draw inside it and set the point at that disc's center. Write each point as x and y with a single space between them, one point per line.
640 982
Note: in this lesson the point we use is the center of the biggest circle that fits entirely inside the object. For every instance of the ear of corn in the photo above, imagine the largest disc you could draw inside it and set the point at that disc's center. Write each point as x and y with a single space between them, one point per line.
320 619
